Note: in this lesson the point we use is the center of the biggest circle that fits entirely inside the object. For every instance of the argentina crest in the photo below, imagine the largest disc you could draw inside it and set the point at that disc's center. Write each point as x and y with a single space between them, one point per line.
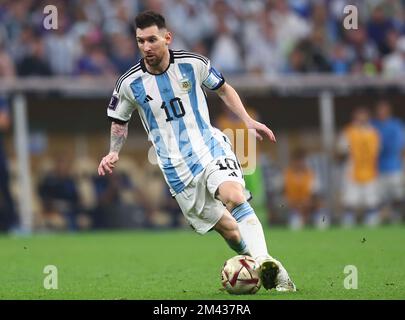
185 84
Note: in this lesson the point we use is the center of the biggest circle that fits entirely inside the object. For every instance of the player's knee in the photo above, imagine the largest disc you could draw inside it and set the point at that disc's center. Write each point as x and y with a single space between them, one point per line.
233 197
231 193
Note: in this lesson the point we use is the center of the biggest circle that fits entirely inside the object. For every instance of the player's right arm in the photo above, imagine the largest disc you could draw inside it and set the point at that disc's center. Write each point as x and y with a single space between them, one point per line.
119 112
119 133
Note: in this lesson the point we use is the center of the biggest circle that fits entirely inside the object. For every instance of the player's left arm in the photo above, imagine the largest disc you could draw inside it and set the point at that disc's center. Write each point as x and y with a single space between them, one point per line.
232 100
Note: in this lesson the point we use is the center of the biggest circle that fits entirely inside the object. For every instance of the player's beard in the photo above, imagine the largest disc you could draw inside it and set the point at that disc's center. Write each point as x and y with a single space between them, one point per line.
153 61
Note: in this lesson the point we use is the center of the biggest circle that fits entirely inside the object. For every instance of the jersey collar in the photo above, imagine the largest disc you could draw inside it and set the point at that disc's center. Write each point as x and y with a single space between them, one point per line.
171 60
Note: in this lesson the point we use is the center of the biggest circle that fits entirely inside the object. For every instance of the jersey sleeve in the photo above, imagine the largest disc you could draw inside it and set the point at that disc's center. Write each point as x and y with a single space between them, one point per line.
210 77
121 105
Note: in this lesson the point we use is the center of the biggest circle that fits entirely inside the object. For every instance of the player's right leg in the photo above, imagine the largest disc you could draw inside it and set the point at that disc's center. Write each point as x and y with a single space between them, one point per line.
273 274
228 229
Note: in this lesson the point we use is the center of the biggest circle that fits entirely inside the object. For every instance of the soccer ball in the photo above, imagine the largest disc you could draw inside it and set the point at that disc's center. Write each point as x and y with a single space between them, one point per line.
240 275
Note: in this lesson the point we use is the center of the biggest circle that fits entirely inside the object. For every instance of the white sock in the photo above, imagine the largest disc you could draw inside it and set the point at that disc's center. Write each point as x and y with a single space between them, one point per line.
251 231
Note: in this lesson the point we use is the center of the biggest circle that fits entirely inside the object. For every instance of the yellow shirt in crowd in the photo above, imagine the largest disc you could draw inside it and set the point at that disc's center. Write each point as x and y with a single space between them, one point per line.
299 186
363 144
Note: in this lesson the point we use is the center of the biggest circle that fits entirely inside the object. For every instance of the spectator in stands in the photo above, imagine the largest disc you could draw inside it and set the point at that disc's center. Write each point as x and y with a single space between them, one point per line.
289 27
94 62
34 63
390 164
15 16
363 53
302 194
198 17
394 63
378 27
296 62
59 196
123 53
214 26
339 59
301 7
21 46
265 45
291 21
62 48
320 20
225 53
312 55
8 215
359 145
391 40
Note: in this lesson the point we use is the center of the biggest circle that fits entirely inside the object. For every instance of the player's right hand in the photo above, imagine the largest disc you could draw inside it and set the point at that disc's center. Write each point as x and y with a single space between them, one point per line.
107 163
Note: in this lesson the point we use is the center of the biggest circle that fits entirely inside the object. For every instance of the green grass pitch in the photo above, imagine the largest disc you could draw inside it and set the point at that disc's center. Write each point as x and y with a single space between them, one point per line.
184 265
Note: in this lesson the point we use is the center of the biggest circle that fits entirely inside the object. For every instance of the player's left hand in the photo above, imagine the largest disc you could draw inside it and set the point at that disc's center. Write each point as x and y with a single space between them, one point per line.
260 128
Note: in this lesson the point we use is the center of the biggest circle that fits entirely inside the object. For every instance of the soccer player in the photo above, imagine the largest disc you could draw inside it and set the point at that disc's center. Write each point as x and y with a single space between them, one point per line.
360 143
302 193
202 172
392 135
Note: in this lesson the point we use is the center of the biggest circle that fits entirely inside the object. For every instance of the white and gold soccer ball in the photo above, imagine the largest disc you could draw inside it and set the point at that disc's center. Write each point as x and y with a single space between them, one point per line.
240 275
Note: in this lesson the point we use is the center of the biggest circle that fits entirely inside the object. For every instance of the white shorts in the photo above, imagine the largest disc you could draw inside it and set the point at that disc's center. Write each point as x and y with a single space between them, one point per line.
360 195
391 186
198 200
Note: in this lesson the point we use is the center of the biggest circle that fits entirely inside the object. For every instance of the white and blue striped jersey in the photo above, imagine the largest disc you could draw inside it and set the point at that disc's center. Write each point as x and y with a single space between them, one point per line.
174 112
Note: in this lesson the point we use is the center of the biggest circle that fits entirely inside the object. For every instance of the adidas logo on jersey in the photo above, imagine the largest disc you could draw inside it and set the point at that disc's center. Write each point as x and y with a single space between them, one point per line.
147 99
233 174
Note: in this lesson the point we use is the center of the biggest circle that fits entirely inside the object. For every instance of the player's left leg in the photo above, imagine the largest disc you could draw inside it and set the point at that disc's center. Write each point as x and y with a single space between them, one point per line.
273 273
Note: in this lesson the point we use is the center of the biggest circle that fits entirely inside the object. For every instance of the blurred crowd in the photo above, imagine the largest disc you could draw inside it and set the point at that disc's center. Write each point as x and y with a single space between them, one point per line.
265 37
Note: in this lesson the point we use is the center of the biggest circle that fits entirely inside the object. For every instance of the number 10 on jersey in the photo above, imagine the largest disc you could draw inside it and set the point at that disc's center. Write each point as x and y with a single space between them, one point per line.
176 109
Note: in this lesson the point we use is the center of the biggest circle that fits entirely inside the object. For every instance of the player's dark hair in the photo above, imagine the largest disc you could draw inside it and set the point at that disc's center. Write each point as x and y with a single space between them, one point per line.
149 18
